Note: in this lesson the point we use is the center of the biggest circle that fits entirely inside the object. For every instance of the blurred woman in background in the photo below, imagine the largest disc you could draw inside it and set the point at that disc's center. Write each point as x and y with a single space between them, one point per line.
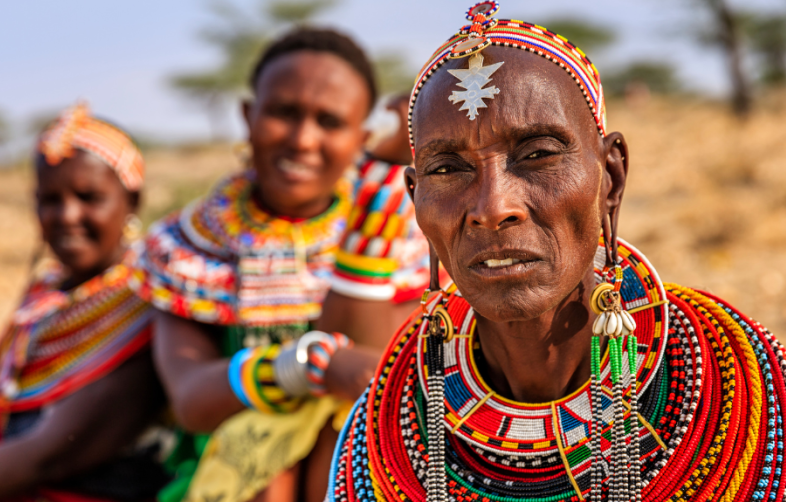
77 383
240 276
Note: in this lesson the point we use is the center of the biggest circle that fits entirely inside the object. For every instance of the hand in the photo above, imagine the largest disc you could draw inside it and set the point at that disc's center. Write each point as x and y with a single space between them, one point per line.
350 370
395 148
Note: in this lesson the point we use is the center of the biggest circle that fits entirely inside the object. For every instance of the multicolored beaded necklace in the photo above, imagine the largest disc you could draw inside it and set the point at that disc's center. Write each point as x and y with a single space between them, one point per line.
698 438
223 260
60 341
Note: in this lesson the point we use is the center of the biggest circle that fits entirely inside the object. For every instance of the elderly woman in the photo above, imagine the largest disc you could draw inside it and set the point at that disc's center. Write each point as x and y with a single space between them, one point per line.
555 367
244 271
77 379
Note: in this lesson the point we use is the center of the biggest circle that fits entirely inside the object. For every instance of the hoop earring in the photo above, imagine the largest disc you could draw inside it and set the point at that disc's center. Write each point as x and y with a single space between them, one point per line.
132 230
244 153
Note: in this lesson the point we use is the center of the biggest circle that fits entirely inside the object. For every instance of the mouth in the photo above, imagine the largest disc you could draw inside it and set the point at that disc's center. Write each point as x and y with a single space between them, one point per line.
504 262
296 171
68 243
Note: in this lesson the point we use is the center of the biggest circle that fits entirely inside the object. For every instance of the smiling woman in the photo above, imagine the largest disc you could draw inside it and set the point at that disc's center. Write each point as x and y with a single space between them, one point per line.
76 375
556 366
239 278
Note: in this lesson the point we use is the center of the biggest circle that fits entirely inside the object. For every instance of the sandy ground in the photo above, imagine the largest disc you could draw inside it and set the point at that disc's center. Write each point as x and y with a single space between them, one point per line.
706 200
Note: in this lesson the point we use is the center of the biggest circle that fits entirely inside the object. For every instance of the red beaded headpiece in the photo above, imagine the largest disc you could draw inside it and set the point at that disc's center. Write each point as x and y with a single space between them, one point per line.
485 31
76 128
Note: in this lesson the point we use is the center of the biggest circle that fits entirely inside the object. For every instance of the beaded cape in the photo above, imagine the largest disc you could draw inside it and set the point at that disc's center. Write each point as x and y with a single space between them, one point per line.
60 341
710 386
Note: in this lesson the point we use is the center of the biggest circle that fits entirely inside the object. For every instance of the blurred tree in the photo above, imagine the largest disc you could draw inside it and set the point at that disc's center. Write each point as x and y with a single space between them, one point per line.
240 37
726 34
298 12
653 76
586 36
767 34
5 129
394 75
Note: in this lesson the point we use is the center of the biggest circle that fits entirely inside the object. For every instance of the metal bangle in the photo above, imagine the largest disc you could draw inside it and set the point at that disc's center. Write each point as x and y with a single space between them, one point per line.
291 364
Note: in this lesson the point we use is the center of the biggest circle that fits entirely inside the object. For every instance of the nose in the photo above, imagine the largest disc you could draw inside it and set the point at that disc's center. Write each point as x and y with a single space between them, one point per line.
69 211
305 136
500 203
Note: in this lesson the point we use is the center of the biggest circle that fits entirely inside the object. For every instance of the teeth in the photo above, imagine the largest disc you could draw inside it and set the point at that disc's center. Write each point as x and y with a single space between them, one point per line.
291 166
501 263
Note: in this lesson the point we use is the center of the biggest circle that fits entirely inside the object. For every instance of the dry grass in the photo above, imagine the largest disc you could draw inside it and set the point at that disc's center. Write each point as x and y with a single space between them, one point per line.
706 200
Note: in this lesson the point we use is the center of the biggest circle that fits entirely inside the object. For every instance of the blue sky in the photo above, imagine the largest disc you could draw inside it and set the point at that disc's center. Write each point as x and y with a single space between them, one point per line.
119 54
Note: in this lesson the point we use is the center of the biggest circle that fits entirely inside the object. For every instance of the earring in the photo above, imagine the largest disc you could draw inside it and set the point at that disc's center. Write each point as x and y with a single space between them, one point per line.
440 330
243 152
619 327
132 230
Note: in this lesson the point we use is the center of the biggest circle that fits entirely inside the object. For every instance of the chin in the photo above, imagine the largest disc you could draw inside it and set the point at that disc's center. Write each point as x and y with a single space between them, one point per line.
509 304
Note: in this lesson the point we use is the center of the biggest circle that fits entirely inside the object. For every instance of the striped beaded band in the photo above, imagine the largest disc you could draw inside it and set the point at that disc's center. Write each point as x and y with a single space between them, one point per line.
520 35
76 128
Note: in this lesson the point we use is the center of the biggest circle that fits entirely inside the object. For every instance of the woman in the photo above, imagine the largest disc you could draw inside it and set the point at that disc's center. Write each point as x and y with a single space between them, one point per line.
77 379
246 269
644 391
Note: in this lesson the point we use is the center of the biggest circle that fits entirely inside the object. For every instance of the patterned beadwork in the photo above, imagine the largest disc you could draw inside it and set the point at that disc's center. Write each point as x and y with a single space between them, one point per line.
60 341
526 36
75 129
687 412
382 239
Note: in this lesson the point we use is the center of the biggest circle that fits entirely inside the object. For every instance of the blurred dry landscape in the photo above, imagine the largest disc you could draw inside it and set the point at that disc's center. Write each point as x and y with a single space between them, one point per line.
706 199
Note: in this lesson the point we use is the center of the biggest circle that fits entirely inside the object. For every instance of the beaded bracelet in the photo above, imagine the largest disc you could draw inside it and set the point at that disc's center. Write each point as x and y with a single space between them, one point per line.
252 379
319 355
275 379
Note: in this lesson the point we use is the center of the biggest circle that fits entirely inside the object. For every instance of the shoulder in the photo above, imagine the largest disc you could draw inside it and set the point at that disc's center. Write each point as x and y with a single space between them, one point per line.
182 267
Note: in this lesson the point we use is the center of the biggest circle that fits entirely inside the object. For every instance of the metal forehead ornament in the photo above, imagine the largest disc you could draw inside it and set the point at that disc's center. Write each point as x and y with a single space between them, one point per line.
476 76
473 81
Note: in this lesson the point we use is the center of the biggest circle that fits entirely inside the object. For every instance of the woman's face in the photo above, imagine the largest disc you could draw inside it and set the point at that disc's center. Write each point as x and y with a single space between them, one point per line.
82 208
513 200
305 128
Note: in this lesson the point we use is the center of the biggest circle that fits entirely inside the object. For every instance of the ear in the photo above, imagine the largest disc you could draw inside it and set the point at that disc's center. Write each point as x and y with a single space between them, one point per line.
411 180
616 170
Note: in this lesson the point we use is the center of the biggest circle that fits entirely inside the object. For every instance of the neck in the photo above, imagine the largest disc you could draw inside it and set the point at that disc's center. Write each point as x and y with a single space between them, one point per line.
541 359
78 277
305 211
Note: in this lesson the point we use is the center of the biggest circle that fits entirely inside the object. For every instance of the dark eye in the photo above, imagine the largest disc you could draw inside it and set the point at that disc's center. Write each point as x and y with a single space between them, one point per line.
282 111
538 154
440 170
90 197
48 199
329 121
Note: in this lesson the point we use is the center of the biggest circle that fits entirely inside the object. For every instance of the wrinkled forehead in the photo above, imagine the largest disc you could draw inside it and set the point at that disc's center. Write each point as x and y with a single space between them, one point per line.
512 93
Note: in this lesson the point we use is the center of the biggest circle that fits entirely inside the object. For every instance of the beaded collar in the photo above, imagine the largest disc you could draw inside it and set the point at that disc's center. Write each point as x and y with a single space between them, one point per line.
223 260
230 221
699 439
59 341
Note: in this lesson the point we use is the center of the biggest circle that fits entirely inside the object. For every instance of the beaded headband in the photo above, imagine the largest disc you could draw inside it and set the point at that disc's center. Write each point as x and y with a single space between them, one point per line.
485 31
75 129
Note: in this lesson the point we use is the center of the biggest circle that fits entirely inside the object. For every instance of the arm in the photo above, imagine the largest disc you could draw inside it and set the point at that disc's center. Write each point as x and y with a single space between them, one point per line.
367 322
193 372
84 429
